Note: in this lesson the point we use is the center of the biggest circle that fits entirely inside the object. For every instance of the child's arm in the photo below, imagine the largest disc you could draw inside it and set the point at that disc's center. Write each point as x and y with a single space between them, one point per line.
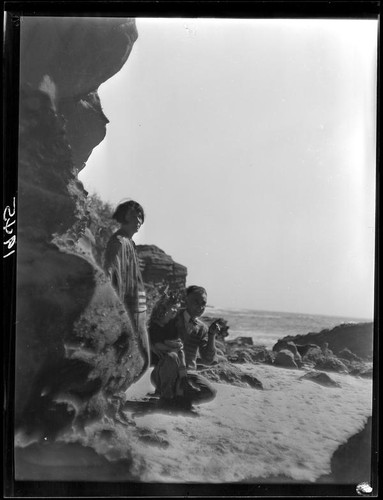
174 345
162 347
182 369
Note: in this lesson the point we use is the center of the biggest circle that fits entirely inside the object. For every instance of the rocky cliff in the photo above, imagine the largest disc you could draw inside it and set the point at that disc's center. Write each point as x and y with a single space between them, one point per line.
159 268
75 346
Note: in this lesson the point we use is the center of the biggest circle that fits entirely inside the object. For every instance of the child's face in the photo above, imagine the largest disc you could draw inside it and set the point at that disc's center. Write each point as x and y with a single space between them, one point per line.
195 304
169 313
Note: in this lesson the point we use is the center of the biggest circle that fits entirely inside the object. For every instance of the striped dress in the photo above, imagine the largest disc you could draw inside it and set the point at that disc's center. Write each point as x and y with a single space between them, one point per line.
122 266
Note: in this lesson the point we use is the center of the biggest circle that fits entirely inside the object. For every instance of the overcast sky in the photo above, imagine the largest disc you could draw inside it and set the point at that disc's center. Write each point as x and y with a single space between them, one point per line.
251 145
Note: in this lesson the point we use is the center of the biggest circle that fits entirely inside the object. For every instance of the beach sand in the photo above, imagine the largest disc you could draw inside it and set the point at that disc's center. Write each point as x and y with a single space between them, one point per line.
290 429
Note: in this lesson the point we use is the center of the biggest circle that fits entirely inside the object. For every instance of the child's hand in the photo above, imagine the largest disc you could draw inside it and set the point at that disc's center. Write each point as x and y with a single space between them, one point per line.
174 344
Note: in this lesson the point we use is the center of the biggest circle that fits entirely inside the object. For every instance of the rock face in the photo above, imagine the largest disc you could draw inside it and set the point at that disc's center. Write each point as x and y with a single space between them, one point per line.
289 346
159 268
357 338
70 58
75 345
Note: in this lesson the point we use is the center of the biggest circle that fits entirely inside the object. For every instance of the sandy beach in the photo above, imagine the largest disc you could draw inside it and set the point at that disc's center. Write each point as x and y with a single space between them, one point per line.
288 430
291 428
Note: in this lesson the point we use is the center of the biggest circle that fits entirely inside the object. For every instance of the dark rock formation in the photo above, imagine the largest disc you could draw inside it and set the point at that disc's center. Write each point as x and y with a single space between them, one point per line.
320 378
285 359
302 349
75 345
346 348
361 370
357 338
159 269
346 355
69 58
331 364
314 353
289 346
239 351
351 462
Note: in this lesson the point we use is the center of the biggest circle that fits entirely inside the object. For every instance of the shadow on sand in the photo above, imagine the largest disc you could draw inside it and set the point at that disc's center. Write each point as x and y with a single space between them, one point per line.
152 404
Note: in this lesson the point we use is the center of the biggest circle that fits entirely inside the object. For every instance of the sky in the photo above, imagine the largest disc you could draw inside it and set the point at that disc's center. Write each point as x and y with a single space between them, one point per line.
251 145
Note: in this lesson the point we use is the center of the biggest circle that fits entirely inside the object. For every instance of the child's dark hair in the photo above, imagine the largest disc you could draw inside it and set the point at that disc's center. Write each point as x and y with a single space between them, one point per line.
195 289
122 209
165 301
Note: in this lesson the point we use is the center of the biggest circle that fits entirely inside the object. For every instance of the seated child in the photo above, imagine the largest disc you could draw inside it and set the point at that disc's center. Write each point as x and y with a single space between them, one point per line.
163 335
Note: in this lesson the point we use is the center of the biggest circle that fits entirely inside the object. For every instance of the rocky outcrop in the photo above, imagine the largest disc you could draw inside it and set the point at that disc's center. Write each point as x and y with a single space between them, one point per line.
331 364
288 346
75 346
159 269
357 338
347 348
287 354
69 58
320 378
242 350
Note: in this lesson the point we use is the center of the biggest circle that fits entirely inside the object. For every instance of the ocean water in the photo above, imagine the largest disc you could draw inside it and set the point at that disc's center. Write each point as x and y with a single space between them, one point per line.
266 327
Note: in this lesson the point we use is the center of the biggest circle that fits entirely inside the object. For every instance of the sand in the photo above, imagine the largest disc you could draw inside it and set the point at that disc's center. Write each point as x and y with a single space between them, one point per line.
289 429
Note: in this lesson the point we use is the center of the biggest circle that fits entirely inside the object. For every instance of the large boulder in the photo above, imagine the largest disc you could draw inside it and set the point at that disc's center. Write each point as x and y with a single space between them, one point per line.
346 354
302 349
285 359
75 345
289 346
331 364
320 378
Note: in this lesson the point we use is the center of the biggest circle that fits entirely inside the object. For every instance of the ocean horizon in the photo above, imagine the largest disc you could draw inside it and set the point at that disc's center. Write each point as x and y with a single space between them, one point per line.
267 327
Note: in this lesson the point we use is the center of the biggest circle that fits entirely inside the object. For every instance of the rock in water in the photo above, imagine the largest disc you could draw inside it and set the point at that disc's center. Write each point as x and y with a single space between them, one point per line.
75 345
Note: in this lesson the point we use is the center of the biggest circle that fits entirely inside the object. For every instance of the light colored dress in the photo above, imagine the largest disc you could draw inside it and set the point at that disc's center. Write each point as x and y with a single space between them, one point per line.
122 266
